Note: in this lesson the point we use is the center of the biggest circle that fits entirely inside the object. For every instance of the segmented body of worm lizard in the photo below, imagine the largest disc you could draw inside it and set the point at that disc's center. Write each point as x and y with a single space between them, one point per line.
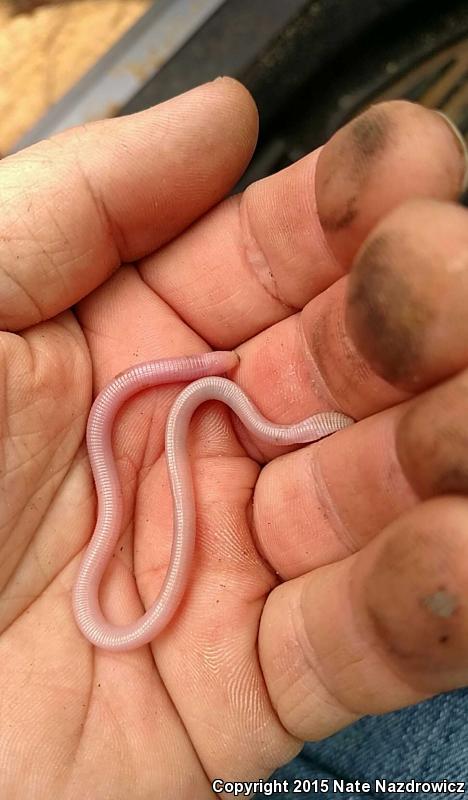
202 370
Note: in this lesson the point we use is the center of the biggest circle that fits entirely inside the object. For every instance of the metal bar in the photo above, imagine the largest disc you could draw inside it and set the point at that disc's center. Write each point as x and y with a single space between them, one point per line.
125 68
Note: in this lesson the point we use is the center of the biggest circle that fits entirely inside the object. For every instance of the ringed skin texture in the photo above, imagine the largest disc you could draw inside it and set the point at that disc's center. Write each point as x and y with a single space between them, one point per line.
204 367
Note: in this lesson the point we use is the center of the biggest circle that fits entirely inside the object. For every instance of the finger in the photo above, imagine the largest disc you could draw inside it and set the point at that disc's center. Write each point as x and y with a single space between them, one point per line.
259 257
75 207
319 504
432 439
380 630
407 295
352 198
324 502
395 326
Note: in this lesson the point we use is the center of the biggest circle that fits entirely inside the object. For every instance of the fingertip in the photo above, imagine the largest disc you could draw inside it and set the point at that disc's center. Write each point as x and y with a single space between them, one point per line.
237 104
406 294
412 582
239 94
391 152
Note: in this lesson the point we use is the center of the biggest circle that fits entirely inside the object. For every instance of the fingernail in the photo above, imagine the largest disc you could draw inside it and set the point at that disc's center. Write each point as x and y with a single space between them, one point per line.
461 142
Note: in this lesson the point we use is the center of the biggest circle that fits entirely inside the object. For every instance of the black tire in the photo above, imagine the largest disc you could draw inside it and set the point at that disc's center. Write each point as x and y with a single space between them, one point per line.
419 53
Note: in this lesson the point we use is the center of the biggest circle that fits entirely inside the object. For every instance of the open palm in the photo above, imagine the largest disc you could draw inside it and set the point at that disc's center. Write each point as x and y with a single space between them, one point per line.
295 622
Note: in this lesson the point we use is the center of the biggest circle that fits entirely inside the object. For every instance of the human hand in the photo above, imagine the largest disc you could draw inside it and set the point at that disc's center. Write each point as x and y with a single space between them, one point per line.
337 587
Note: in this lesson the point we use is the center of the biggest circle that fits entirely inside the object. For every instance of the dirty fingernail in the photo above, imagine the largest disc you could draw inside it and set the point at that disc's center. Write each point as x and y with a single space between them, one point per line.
461 143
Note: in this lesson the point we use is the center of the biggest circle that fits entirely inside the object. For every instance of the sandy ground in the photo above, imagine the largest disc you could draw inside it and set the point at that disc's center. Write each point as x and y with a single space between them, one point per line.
46 46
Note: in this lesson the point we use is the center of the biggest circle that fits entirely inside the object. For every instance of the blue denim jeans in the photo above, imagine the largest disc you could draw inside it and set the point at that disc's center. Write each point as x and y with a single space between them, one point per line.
426 743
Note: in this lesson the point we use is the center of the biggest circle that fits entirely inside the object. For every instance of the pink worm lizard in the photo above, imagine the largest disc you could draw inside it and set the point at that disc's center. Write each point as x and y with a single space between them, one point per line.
203 367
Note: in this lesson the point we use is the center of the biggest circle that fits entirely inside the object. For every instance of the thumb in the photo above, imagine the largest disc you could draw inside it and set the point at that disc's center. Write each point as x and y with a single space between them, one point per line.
75 207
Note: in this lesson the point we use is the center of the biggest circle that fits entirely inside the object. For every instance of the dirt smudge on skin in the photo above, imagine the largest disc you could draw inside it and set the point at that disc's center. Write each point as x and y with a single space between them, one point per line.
345 165
349 214
370 133
385 318
453 480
